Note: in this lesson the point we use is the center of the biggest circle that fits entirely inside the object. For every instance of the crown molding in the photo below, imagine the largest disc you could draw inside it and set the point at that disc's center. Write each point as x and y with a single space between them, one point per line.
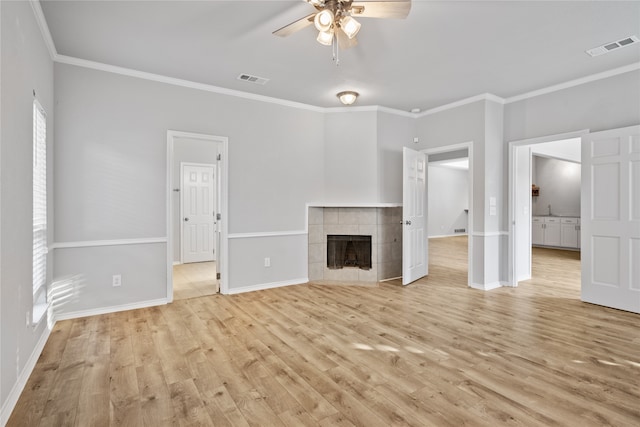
471 100
573 83
44 28
63 59
369 108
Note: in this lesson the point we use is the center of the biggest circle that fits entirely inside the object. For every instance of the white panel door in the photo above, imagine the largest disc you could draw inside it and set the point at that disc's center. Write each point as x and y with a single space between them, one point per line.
611 218
414 212
198 185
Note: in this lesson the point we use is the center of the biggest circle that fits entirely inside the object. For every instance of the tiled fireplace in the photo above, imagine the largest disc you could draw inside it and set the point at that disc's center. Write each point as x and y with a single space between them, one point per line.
354 227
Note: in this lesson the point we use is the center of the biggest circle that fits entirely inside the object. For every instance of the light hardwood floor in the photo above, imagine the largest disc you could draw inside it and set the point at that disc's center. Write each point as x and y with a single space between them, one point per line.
432 353
196 279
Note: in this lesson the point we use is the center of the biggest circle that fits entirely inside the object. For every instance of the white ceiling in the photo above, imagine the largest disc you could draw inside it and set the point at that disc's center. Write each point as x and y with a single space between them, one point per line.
443 52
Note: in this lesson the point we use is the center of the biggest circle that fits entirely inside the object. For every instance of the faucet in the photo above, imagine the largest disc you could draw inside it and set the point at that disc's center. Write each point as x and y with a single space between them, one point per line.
549 210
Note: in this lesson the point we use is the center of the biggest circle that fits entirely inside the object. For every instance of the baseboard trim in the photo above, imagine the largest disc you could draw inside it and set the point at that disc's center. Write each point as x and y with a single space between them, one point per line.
440 236
112 309
264 286
486 286
18 387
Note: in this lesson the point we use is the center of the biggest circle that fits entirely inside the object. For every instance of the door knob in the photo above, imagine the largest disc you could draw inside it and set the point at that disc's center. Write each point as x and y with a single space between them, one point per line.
186 219
408 222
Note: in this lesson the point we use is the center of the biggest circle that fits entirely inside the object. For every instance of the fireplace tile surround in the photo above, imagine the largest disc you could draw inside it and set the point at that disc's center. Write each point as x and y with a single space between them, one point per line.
384 226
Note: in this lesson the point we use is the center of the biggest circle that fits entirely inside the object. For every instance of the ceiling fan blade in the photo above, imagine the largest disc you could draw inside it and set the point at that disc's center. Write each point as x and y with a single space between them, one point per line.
344 42
295 26
381 9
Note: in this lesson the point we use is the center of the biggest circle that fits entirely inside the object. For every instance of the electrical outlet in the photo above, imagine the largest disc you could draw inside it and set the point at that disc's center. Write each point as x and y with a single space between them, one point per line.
267 262
116 280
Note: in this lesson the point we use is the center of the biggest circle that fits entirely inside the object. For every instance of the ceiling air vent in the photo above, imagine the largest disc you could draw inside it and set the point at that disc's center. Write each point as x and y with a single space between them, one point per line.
252 79
606 48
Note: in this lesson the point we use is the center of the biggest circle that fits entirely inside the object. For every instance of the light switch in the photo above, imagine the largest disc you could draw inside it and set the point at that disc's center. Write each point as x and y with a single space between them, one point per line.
492 211
492 201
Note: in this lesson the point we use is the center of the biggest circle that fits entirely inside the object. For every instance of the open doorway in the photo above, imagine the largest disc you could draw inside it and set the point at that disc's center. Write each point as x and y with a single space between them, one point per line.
450 200
545 186
196 212
194 263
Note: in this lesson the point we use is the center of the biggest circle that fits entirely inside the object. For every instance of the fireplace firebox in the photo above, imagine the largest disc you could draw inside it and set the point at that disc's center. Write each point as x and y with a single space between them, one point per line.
348 251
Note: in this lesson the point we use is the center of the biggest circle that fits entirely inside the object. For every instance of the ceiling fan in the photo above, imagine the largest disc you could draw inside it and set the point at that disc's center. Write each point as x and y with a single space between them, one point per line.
335 19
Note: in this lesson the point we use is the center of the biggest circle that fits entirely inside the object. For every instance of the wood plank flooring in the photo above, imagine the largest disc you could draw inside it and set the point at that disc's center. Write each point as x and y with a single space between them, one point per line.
432 353
196 279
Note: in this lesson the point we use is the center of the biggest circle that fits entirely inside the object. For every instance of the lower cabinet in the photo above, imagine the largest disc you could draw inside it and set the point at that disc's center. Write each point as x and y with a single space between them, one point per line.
570 232
555 231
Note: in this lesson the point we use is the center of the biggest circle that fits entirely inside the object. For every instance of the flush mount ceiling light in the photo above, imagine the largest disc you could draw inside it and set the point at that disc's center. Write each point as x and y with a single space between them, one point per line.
334 20
347 97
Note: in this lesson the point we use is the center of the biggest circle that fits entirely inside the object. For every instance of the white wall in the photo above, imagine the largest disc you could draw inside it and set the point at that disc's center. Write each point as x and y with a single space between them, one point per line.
559 183
394 132
448 197
600 105
568 149
351 158
25 66
111 178
456 126
190 151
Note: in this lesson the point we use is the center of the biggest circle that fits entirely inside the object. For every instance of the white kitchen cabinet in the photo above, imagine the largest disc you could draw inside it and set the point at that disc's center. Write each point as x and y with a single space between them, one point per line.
537 230
552 234
554 231
570 232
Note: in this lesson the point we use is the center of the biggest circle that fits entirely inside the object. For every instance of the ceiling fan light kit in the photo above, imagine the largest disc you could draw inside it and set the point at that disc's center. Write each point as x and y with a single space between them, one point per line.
334 19
324 20
325 37
350 26
348 97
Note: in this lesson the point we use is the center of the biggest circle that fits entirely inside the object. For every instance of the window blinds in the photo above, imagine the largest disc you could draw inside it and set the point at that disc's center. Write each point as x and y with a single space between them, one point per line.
39 198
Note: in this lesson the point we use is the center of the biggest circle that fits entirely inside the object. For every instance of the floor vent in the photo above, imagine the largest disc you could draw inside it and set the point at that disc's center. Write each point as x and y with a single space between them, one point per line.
252 79
460 230
608 47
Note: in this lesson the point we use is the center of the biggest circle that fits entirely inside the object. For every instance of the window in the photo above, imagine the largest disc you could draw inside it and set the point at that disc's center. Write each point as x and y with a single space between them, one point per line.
39 210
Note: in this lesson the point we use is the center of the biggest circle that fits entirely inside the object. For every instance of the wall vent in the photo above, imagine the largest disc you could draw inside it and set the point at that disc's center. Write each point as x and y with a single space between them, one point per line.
460 230
608 47
252 79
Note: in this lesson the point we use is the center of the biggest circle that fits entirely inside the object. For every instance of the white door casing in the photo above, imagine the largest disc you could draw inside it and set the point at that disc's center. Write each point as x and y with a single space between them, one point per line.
414 212
610 218
524 231
197 207
218 215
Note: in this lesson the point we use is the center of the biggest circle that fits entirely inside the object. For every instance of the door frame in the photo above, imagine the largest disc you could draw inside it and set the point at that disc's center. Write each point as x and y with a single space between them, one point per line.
215 207
445 149
222 144
512 279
